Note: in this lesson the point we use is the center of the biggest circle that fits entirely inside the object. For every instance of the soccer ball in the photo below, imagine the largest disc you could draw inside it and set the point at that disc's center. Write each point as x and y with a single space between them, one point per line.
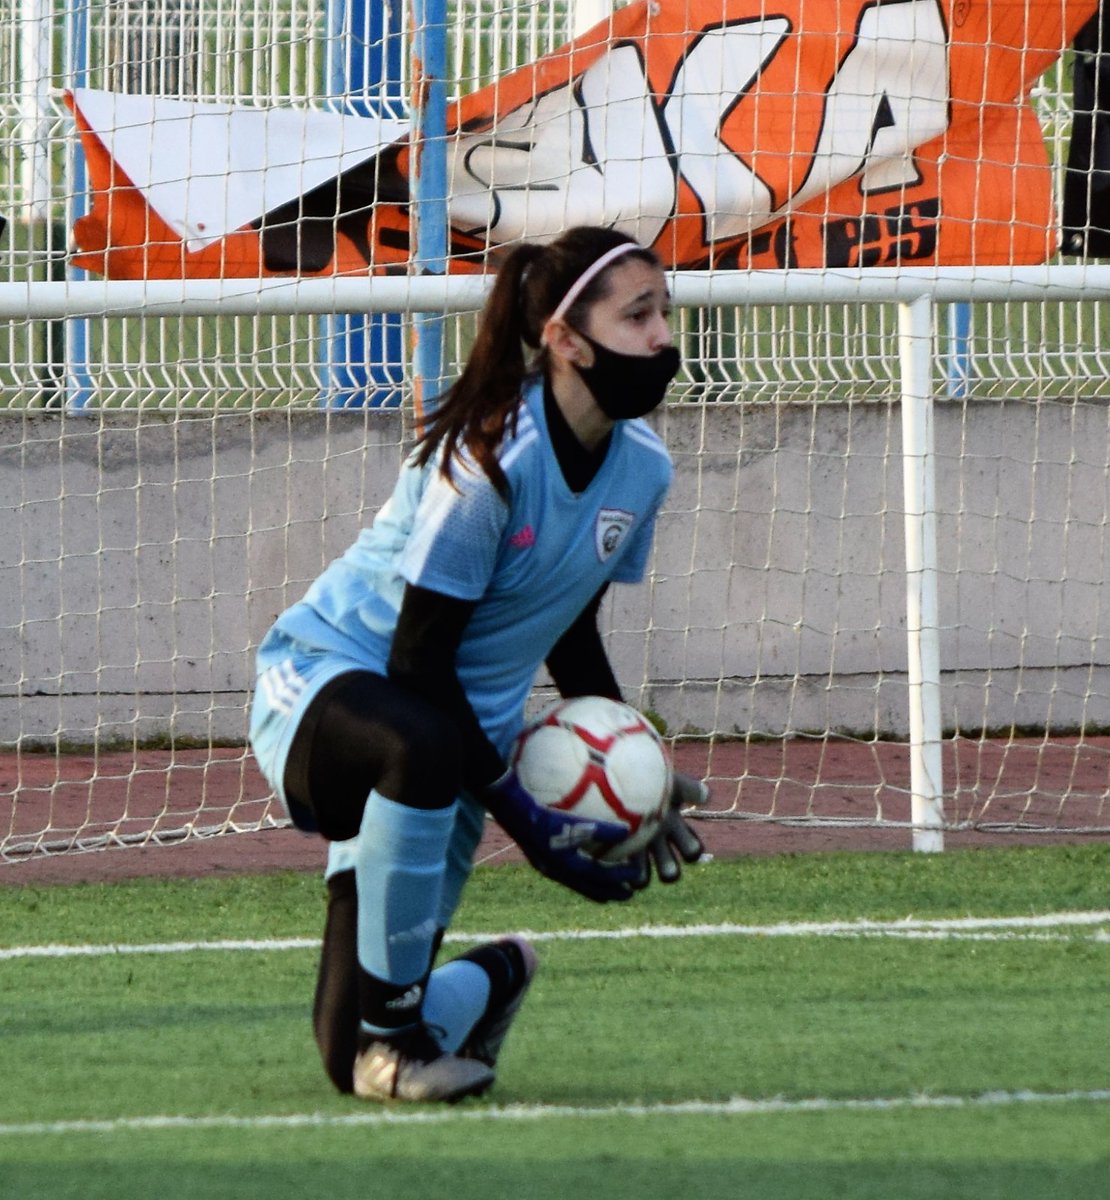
599 759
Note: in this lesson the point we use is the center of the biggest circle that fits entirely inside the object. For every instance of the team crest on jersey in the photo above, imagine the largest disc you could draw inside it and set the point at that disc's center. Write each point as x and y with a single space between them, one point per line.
609 532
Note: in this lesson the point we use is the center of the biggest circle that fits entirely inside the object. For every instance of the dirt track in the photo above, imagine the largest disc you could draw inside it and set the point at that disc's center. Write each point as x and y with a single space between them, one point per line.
1025 783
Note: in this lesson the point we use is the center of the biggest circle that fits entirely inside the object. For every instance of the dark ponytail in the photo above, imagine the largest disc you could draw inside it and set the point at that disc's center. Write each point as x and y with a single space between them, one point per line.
475 411
477 406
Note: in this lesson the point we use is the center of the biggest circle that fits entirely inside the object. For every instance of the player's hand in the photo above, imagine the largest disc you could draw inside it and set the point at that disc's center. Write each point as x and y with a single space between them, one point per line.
676 842
561 846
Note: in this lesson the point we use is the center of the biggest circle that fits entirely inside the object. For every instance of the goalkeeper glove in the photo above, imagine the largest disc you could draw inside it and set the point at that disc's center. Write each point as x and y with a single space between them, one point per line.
561 846
676 842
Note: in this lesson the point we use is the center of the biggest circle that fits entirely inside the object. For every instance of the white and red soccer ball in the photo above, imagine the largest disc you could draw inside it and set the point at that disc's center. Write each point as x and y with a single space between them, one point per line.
599 759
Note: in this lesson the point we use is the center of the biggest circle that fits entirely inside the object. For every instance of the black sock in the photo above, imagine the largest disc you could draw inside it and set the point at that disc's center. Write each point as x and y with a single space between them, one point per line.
387 1008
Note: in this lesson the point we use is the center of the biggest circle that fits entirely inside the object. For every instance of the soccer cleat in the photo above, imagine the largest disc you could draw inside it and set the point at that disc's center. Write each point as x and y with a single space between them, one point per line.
484 1041
411 1067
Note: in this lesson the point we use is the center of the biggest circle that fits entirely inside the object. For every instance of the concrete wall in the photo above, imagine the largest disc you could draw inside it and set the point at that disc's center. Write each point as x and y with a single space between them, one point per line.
142 556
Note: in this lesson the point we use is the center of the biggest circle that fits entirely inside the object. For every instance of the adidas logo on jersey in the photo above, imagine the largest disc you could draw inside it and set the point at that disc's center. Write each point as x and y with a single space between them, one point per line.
523 538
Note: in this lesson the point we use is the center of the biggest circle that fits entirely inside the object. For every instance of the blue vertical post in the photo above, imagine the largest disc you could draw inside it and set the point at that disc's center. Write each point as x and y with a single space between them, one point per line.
361 356
959 350
78 377
429 188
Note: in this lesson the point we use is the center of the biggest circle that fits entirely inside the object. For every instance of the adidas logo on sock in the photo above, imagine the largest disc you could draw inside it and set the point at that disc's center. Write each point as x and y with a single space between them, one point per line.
408 999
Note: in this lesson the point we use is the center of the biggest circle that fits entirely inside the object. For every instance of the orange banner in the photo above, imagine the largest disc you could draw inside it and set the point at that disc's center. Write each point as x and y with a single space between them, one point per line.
723 133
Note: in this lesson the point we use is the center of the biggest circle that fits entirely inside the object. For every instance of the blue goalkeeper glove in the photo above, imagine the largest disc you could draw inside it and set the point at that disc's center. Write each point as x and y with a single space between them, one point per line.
562 846
676 842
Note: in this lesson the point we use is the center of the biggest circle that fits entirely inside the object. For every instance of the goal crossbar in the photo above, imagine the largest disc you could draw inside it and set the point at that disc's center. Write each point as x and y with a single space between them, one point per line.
59 299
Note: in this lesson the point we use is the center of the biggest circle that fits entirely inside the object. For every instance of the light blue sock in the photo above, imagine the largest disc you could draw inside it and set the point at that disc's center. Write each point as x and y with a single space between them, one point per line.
341 857
457 996
399 867
470 824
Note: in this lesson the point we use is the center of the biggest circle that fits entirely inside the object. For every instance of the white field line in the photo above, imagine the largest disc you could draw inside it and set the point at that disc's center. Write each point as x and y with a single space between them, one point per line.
1042 927
738 1106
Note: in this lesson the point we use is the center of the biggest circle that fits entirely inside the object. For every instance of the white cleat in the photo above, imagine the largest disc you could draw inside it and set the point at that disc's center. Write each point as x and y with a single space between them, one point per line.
412 1068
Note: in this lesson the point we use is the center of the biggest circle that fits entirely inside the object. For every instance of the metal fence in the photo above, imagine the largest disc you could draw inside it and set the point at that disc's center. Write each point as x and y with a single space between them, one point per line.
292 53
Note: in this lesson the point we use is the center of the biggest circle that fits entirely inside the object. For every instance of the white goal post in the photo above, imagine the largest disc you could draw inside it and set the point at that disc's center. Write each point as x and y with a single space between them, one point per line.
877 599
700 712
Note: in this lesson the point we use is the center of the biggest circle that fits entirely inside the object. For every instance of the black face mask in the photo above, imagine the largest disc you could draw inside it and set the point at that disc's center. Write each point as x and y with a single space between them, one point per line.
628 385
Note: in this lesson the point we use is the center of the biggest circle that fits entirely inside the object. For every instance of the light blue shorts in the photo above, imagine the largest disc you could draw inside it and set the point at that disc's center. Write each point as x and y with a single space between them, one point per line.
290 676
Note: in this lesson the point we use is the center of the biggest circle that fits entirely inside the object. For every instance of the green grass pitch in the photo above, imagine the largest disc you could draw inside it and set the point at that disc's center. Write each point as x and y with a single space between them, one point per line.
737 1035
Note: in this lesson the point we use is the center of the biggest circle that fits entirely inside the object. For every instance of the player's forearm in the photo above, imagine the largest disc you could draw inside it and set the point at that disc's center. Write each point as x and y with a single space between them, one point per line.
578 664
422 660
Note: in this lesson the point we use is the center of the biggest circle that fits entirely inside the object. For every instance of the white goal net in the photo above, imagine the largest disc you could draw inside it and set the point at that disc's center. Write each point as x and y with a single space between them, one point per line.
206 380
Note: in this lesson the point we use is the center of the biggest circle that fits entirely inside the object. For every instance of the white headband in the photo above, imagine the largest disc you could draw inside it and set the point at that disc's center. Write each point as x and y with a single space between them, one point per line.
591 272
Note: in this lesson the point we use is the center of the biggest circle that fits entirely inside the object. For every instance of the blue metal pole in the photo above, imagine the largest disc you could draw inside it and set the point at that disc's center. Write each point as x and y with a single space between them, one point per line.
361 357
78 384
429 188
959 350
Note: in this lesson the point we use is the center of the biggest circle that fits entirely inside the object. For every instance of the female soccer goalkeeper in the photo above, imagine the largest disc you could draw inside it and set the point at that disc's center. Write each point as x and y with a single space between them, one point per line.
388 698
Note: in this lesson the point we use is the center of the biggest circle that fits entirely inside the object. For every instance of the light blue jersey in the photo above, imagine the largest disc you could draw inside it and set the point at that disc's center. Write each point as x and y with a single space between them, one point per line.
532 564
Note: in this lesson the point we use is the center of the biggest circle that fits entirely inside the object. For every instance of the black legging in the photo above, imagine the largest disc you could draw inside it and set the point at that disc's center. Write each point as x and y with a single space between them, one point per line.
364 732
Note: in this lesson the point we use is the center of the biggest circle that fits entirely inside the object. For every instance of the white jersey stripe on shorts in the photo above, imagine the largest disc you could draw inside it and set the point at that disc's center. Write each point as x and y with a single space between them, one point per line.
283 685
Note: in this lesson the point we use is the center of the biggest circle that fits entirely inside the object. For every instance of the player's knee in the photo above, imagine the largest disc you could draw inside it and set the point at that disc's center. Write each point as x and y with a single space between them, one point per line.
426 767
